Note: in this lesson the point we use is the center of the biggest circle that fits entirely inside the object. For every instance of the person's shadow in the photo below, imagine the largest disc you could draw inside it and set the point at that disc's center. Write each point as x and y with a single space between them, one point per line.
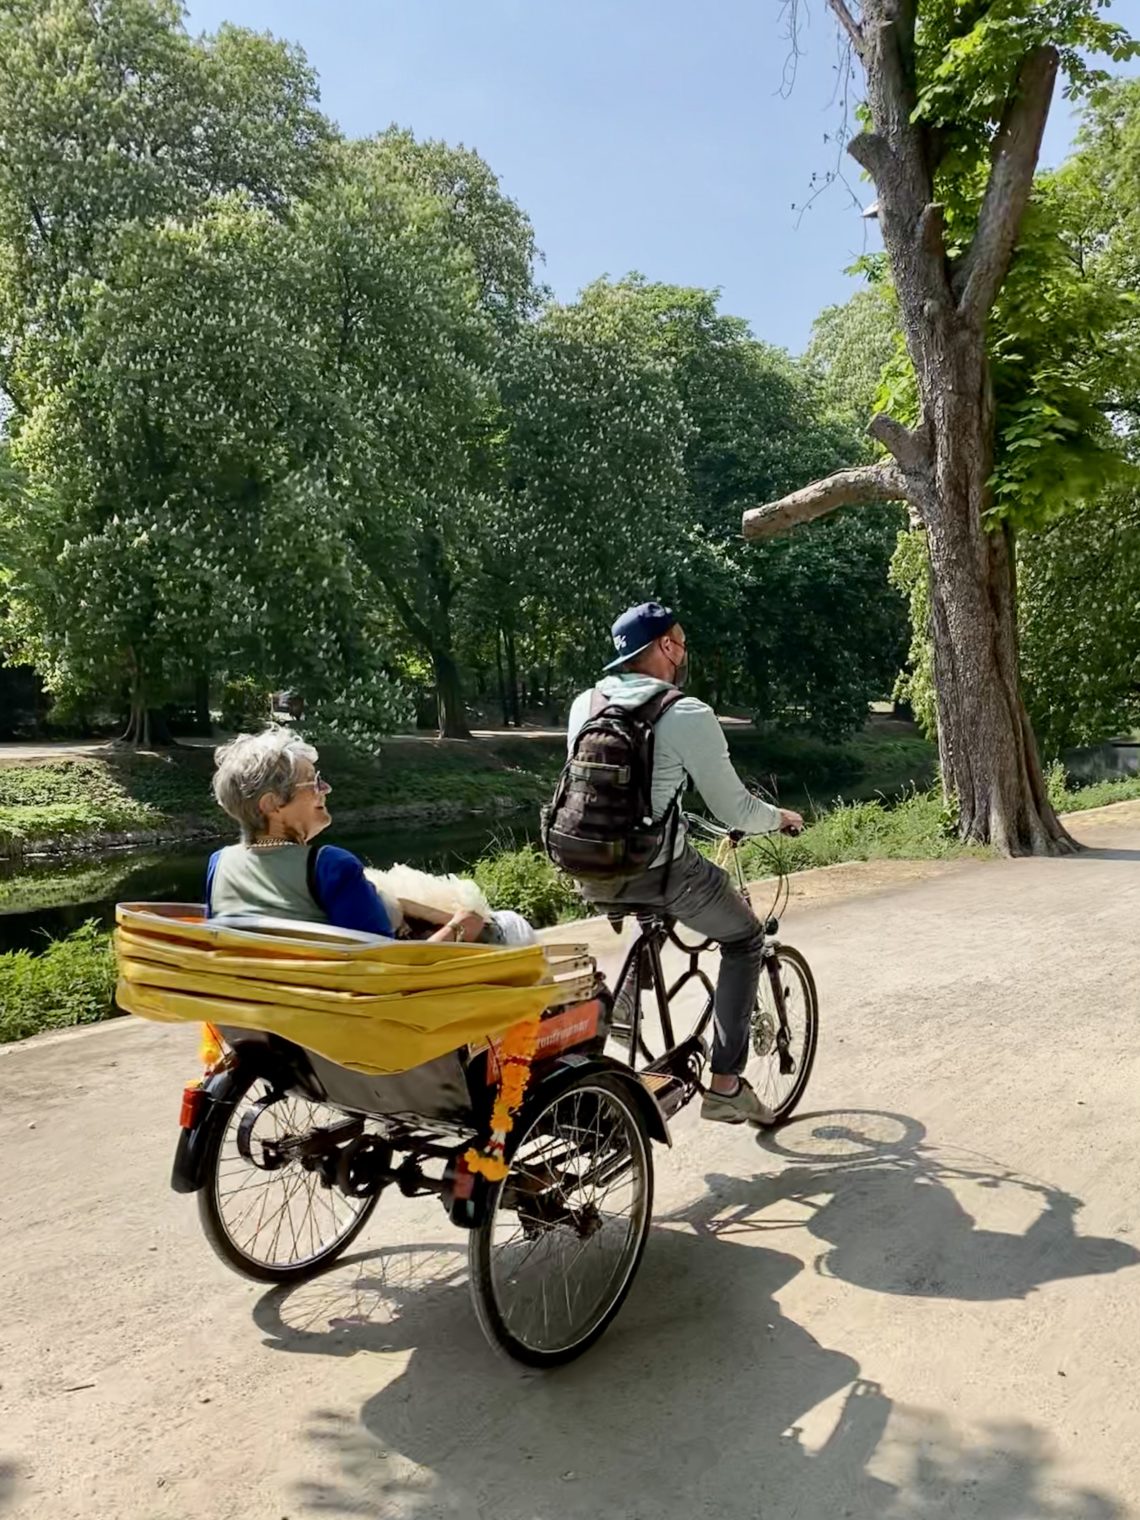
702 1398
893 1224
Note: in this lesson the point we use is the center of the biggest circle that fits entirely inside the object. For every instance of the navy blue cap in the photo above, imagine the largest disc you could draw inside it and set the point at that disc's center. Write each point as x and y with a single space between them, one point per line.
637 628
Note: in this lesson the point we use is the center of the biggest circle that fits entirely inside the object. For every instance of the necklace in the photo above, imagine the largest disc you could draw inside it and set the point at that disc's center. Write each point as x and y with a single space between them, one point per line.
268 844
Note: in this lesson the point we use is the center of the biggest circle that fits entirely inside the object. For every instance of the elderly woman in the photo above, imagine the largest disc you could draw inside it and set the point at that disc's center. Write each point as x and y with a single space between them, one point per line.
269 784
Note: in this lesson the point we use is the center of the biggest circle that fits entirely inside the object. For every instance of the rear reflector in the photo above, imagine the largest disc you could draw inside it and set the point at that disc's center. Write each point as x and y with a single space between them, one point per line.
192 1096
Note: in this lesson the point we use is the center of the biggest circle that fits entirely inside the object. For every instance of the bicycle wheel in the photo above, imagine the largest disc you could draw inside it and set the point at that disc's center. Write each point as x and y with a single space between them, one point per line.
782 1089
558 1251
279 1225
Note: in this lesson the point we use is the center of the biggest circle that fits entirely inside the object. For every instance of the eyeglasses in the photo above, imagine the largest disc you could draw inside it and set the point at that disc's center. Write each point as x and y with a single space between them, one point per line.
318 784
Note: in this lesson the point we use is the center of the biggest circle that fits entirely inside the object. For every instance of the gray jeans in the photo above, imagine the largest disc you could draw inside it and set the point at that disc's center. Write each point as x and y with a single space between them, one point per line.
703 898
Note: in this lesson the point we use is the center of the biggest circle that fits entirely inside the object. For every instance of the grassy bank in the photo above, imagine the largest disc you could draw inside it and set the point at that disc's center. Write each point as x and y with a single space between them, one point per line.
72 981
76 802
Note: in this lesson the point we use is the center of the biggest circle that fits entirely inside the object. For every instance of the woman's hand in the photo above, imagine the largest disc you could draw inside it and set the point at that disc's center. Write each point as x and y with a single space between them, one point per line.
465 927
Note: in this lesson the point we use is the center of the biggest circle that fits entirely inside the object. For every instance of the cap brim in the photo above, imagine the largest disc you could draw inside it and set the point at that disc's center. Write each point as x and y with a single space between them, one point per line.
630 654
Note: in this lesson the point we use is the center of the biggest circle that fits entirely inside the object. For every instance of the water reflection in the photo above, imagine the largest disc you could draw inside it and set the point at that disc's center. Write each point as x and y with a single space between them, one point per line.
47 899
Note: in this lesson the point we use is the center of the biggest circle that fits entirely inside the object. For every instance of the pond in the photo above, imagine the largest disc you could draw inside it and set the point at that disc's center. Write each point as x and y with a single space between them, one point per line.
46 899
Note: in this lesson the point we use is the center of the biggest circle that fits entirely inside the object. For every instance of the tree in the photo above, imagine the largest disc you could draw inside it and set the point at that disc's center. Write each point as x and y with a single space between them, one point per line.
172 511
1079 593
589 511
423 551
771 631
120 131
956 103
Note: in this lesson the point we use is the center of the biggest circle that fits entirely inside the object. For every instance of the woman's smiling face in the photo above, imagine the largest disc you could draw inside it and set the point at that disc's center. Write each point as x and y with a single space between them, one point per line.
305 815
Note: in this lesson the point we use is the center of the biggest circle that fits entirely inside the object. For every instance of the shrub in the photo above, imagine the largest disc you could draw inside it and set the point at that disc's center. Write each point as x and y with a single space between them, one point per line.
525 880
246 705
71 982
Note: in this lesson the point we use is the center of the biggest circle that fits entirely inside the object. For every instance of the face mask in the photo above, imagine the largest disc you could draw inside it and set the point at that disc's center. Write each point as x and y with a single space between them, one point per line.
681 672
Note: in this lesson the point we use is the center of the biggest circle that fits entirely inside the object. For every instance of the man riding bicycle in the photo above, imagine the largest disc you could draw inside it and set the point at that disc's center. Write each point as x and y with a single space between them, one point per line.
689 745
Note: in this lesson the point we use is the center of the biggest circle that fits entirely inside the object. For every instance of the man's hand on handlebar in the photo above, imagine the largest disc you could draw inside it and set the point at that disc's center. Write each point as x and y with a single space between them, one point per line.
790 823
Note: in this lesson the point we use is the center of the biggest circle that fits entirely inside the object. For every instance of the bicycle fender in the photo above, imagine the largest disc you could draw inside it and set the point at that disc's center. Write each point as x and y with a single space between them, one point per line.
219 1095
569 1068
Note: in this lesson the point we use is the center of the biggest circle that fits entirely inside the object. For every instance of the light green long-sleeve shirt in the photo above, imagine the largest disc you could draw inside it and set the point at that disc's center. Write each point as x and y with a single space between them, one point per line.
689 743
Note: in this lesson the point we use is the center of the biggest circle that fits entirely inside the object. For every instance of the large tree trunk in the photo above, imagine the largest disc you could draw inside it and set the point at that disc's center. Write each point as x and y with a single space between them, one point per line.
449 696
986 747
942 468
146 728
513 679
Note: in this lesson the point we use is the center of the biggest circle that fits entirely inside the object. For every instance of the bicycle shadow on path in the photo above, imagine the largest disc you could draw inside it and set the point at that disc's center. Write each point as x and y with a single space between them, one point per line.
891 1220
703 1399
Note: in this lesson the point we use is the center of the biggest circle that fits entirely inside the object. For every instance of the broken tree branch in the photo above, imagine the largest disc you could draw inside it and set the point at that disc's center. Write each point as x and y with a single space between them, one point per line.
849 24
846 488
1013 162
910 446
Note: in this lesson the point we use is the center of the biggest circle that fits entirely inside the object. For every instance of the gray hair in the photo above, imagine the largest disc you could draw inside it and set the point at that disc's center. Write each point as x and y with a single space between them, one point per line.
253 766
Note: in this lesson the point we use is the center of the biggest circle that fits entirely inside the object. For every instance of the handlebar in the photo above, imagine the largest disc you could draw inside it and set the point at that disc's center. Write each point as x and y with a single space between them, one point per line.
705 826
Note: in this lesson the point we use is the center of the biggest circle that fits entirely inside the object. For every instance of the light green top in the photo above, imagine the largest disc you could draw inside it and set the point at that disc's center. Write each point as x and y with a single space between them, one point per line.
688 742
264 881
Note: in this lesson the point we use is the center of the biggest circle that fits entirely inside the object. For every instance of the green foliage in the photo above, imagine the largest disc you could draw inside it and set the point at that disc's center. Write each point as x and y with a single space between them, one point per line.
71 982
245 705
850 347
525 880
1079 605
910 574
1101 794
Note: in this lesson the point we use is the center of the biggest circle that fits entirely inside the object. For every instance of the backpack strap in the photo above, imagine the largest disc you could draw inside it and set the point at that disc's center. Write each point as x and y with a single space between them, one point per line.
314 891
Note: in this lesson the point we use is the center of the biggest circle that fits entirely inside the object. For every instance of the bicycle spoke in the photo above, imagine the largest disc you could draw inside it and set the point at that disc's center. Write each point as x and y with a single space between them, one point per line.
559 1253
285 1216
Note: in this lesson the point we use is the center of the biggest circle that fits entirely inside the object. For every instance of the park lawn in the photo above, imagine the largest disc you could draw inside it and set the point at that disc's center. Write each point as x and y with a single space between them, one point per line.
72 980
64 803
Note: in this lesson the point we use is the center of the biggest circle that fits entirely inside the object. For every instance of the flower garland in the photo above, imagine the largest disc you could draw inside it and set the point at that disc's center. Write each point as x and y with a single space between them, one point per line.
515 1052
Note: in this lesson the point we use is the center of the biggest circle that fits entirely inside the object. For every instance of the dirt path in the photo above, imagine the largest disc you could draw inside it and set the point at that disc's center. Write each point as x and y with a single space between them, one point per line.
922 1302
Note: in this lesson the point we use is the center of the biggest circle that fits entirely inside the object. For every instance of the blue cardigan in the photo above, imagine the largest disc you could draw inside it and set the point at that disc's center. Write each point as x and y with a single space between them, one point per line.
344 894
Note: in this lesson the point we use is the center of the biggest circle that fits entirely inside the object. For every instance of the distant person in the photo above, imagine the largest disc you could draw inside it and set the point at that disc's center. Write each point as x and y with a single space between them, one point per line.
269 785
688 744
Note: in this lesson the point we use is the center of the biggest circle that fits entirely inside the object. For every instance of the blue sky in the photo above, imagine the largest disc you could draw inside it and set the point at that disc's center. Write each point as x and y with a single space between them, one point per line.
638 134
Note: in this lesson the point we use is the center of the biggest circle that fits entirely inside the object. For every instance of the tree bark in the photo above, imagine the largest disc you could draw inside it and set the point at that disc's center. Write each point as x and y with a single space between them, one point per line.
147 728
502 680
943 467
449 696
986 747
513 679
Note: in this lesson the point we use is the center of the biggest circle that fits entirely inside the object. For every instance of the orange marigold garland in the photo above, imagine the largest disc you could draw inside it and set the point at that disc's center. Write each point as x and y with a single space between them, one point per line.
515 1052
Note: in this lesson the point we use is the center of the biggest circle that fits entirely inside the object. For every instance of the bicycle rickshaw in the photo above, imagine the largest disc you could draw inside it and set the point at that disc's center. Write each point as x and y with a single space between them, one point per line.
339 1066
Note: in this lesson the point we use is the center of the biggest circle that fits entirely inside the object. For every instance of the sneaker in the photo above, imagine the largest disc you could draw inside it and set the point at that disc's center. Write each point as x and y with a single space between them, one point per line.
740 1107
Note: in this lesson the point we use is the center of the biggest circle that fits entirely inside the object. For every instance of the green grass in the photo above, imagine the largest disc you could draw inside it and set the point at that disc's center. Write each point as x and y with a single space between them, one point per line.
523 878
71 982
1100 794
75 797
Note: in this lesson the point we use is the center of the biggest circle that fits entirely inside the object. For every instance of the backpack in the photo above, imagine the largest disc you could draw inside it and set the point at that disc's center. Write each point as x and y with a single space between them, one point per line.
599 825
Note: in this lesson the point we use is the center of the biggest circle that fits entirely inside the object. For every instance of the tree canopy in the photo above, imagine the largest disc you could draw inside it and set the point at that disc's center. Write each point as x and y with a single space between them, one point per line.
289 409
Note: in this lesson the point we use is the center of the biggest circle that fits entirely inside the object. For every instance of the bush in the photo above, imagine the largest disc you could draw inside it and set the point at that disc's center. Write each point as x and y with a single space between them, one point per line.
71 982
246 705
914 829
525 880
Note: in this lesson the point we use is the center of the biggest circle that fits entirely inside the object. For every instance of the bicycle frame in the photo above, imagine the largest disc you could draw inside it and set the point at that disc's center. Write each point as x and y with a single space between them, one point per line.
643 962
